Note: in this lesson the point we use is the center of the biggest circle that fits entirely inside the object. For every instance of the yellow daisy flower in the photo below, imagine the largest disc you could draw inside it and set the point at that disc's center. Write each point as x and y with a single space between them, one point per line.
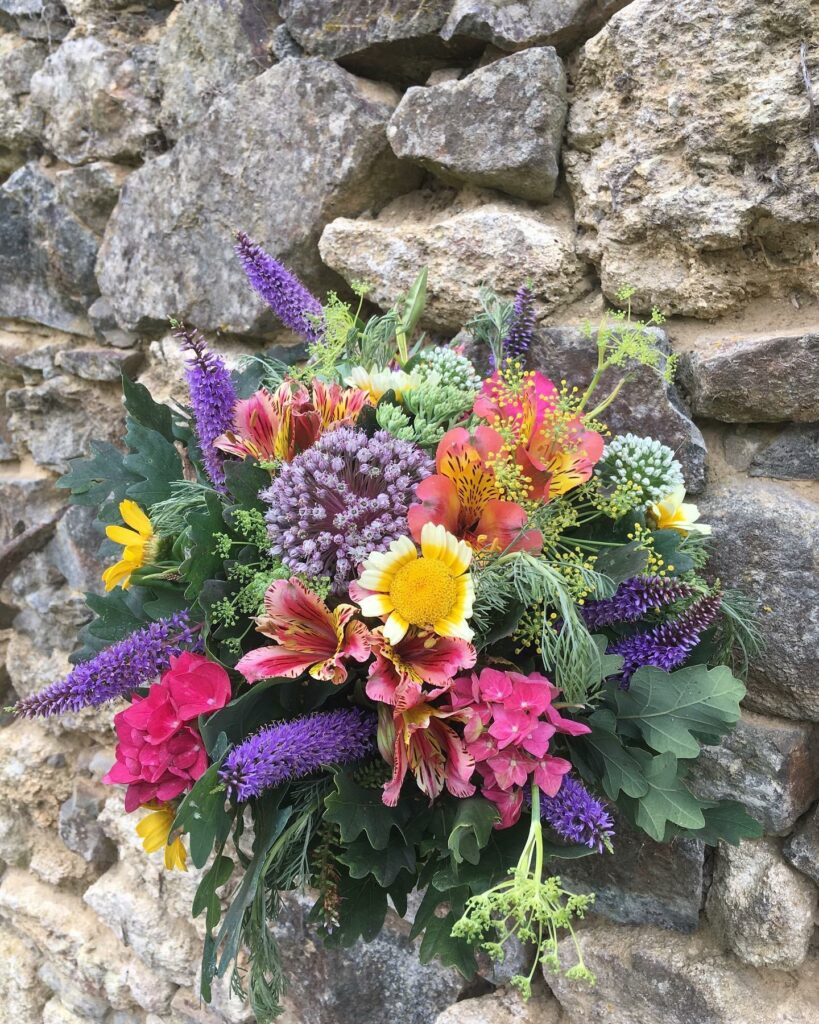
674 514
378 382
432 591
155 829
138 545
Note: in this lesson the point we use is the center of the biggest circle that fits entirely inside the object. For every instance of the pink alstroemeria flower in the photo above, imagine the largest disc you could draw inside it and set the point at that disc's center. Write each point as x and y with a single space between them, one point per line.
399 671
309 636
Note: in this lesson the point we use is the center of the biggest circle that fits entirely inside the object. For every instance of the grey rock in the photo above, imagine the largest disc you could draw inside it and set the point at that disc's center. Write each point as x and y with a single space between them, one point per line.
647 974
499 127
760 906
643 882
105 327
26 500
646 406
91 13
44 20
99 99
206 48
793 455
517 24
168 246
74 549
769 764
755 380
78 826
503 1007
284 45
379 982
19 121
706 200
802 848
91 191
766 541
56 420
102 364
465 241
46 254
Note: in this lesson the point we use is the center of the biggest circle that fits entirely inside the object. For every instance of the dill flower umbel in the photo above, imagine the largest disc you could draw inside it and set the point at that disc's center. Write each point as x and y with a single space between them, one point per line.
342 499
139 545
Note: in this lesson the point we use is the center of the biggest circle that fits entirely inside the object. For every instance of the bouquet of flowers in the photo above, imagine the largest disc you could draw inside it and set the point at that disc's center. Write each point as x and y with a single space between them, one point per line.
381 625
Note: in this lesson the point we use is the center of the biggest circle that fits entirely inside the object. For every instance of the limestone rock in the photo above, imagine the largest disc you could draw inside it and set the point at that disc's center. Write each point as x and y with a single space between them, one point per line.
643 882
26 500
766 541
802 849
646 406
75 549
646 974
19 121
379 982
99 100
43 20
506 1006
465 241
769 764
168 246
205 49
99 364
78 825
91 191
46 254
22 994
693 178
755 380
516 24
500 127
793 455
760 906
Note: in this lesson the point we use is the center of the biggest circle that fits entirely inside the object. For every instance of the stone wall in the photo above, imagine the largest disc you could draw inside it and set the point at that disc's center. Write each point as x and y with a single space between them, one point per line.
669 145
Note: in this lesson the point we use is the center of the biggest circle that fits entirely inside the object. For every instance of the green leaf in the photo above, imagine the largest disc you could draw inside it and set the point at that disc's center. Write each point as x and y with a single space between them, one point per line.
614 765
356 810
244 479
206 897
474 820
668 799
203 814
622 562
674 711
667 544
91 480
142 409
414 303
202 562
241 717
434 918
726 821
117 613
362 910
384 865
153 458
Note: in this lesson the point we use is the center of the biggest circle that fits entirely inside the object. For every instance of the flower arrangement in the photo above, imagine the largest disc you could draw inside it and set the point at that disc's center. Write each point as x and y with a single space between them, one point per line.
380 624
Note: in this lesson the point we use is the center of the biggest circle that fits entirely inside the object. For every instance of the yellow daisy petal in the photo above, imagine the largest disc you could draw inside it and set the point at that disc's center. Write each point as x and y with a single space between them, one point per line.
395 628
376 605
133 515
460 630
112 575
121 535
176 856
374 579
433 541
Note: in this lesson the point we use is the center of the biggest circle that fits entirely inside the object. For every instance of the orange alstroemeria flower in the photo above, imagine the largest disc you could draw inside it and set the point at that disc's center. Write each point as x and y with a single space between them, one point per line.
464 496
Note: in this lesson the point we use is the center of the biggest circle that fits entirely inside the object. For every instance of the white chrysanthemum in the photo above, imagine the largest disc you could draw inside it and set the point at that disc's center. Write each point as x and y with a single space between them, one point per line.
640 467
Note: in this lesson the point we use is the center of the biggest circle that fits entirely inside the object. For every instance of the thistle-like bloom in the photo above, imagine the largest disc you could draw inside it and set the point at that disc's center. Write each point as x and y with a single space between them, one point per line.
115 672
309 637
432 591
291 750
675 514
578 816
292 303
634 599
155 830
139 545
669 644
342 499
522 328
213 398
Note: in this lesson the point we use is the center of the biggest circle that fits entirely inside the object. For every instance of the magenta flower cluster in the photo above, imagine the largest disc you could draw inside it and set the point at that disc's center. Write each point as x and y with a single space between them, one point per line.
342 499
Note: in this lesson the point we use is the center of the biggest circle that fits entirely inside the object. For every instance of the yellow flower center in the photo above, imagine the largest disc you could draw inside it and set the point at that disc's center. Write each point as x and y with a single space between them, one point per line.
424 591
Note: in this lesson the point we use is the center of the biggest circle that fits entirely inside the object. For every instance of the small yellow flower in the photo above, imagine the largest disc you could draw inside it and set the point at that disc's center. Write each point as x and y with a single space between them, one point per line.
432 591
155 829
673 513
138 545
378 382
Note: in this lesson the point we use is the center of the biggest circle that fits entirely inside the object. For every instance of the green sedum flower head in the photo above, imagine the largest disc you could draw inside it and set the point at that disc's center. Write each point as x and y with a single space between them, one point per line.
453 370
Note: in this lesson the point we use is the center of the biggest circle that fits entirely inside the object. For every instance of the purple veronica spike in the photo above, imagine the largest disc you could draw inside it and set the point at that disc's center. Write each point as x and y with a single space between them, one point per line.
282 291
115 672
342 499
213 398
633 599
291 750
521 330
578 816
669 644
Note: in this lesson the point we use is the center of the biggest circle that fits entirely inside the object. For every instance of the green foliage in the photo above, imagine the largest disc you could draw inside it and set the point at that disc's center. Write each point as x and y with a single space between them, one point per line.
202 813
492 324
471 829
356 810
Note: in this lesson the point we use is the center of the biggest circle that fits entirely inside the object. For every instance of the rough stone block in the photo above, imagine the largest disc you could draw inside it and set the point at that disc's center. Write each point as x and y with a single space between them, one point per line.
802 849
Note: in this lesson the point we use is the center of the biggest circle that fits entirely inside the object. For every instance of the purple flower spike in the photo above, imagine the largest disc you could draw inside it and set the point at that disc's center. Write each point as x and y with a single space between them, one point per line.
633 599
291 750
115 672
578 816
213 399
342 499
522 328
668 645
292 303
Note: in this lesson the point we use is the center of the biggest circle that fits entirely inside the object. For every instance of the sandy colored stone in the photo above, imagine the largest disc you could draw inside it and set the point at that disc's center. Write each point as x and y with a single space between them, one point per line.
505 1006
22 994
